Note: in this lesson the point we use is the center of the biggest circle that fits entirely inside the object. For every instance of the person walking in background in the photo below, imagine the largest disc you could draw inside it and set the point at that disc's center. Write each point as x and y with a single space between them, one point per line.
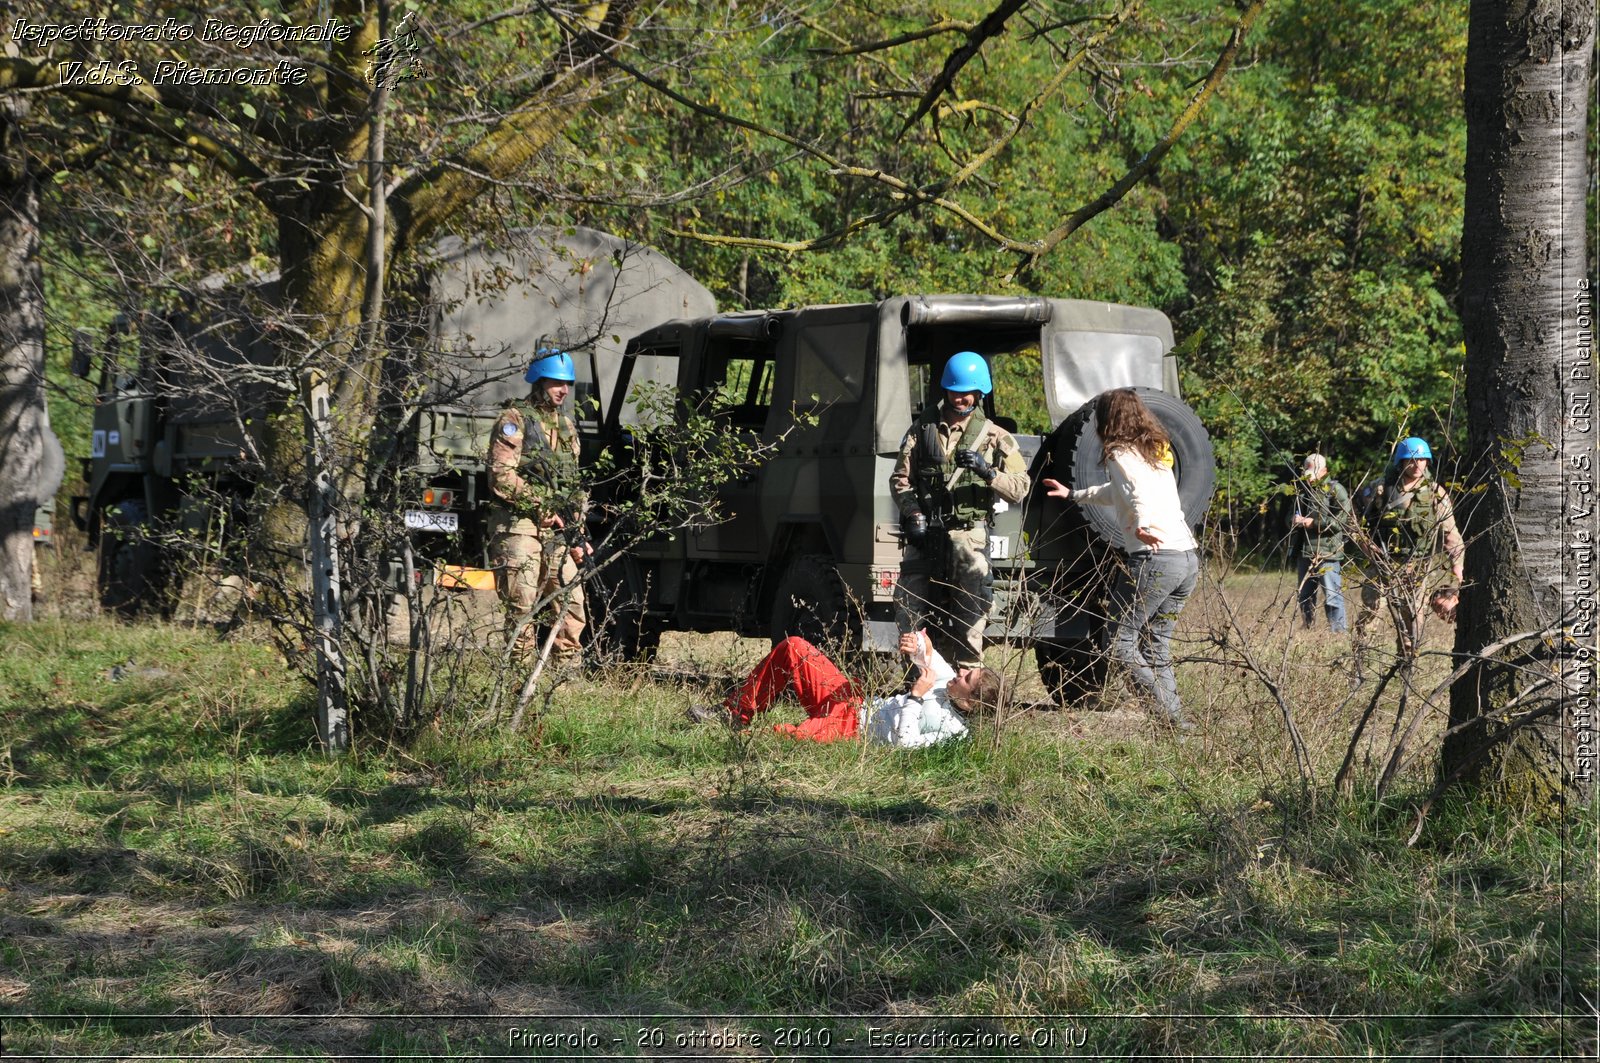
1410 538
930 712
537 536
1163 561
954 464
1322 516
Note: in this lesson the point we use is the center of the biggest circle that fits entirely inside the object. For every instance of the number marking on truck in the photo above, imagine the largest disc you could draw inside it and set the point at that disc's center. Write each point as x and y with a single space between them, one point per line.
422 520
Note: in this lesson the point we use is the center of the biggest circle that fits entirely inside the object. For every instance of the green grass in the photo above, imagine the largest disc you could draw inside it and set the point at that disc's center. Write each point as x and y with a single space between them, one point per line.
172 844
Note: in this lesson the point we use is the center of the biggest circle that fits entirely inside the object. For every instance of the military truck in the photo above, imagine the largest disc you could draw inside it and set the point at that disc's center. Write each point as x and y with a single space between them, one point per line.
809 542
181 395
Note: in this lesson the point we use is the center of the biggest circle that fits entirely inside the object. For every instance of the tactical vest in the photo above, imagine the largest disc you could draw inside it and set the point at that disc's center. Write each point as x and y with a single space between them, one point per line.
1408 522
968 500
553 467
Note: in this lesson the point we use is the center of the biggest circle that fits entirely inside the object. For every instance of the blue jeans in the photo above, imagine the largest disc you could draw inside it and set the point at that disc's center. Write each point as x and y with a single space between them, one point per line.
1323 572
1145 603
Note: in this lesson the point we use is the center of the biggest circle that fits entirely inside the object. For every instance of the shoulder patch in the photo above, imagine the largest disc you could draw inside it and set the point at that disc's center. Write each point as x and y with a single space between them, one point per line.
508 429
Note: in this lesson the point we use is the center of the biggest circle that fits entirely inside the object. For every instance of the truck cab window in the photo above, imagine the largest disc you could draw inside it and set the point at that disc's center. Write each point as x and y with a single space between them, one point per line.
736 387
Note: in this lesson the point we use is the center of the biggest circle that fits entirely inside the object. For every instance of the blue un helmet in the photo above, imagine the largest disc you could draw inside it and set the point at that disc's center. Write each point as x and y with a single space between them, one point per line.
551 363
967 371
1411 447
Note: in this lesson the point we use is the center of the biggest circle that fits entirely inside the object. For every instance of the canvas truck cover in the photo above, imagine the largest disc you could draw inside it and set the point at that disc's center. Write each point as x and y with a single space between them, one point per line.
1090 347
585 291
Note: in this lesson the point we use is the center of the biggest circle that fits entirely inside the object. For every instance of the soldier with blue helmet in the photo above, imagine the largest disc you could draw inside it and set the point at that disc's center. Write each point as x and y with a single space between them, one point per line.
954 465
537 542
1409 531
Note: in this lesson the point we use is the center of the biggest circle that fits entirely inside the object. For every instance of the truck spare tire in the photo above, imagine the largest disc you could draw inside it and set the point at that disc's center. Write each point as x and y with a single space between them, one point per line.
1074 449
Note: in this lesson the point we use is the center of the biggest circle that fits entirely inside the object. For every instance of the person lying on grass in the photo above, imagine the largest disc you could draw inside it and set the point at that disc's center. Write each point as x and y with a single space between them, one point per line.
931 711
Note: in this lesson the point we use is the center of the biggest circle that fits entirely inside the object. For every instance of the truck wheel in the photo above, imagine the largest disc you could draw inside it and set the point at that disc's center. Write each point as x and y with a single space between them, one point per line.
1075 451
1071 671
814 603
619 625
632 636
130 561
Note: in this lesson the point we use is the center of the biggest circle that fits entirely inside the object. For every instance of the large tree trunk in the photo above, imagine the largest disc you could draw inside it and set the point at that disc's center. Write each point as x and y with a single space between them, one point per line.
24 422
1526 312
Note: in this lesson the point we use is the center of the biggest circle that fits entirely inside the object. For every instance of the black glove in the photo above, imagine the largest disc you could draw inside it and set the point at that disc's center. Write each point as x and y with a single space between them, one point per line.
971 459
914 526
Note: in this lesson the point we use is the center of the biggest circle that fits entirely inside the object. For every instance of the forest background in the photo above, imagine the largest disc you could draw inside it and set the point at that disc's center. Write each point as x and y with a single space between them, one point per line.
1303 234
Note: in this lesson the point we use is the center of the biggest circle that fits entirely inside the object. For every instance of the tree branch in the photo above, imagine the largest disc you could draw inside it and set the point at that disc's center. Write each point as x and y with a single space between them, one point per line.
993 24
1148 161
428 198
930 195
937 28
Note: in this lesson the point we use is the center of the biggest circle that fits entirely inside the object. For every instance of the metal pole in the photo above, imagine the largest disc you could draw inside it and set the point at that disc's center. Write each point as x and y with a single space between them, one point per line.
327 605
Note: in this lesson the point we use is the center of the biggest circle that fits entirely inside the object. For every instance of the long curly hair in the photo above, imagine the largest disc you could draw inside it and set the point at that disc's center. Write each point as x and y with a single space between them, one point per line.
1123 420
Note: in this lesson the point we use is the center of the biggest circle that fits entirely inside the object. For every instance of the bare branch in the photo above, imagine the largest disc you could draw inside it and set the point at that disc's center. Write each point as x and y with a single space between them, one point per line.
430 197
934 30
1148 161
992 25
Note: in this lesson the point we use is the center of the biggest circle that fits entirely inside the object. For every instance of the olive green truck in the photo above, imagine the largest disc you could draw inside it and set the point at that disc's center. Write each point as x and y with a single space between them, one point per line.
806 541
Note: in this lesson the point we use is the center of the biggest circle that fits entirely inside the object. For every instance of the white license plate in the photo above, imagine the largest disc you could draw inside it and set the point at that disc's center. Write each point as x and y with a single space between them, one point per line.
432 520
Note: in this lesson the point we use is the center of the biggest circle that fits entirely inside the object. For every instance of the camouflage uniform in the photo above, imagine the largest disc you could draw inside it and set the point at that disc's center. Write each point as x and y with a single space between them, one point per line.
965 589
1409 532
532 483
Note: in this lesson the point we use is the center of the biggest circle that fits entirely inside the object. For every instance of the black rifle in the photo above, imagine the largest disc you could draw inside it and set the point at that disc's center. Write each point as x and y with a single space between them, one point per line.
928 478
549 468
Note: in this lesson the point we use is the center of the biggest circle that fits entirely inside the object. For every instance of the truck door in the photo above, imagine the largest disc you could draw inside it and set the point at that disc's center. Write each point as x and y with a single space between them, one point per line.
1090 347
733 387
119 440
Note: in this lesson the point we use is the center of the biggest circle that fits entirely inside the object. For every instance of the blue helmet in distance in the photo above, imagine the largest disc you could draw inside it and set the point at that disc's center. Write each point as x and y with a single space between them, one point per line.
551 363
1412 447
967 371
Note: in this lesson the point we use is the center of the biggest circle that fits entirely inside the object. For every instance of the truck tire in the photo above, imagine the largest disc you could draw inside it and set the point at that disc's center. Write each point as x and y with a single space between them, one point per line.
1072 671
813 602
620 625
130 561
1075 449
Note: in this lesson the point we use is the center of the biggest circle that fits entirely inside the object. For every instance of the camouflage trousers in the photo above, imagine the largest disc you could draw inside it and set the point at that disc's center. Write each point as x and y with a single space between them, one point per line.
954 605
1399 595
529 568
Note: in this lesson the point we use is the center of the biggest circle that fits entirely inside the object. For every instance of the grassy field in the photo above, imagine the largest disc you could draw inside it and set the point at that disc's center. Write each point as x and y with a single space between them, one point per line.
183 876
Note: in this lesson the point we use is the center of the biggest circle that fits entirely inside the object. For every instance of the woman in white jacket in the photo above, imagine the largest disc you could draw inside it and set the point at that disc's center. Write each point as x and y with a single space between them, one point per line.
1162 562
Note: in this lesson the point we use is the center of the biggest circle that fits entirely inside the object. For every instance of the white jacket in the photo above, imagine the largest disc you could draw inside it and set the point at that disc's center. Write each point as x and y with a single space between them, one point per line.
1143 496
910 722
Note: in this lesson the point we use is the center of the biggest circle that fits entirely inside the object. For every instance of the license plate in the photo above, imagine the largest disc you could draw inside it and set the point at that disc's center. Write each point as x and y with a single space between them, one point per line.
430 520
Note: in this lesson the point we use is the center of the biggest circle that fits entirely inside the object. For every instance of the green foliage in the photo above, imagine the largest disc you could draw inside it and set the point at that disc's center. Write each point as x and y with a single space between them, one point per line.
776 72
1321 222
1306 227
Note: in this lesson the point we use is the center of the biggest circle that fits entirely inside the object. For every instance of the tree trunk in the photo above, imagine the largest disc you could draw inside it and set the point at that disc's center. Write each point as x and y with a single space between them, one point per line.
24 421
1529 357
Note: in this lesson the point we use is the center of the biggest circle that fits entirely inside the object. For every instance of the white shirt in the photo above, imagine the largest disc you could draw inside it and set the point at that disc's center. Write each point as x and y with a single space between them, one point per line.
910 722
1144 496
